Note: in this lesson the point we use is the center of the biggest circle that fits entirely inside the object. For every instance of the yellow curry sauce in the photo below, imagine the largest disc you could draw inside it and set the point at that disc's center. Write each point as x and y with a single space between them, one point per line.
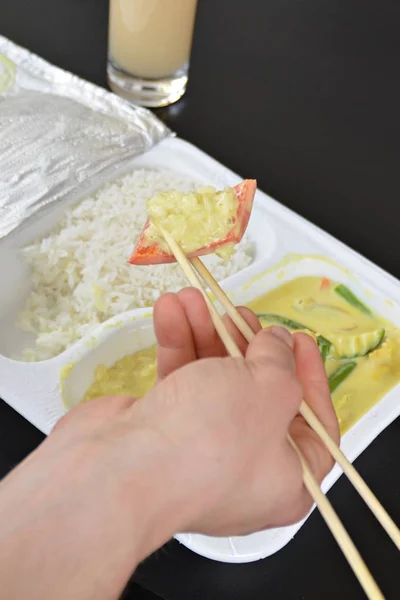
133 375
361 349
317 304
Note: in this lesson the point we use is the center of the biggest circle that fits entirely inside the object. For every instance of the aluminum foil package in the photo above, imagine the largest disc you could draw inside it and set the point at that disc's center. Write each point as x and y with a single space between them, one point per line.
59 134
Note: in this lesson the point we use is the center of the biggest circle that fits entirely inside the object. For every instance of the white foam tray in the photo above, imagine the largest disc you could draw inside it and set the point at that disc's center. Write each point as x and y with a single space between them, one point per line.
33 389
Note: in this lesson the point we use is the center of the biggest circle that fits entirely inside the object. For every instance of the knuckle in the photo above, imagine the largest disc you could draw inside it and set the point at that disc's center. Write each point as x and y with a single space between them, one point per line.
69 418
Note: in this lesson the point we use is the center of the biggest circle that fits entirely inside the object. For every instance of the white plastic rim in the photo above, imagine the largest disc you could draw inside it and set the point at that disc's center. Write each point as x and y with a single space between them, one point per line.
35 389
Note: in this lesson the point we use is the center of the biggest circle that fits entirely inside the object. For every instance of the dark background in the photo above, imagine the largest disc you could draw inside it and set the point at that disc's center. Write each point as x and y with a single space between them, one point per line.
304 95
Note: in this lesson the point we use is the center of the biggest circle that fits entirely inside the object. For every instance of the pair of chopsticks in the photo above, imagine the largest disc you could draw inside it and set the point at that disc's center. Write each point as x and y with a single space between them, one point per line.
195 272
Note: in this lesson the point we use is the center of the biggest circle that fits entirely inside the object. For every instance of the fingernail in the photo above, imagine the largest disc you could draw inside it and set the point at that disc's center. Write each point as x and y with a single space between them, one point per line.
283 334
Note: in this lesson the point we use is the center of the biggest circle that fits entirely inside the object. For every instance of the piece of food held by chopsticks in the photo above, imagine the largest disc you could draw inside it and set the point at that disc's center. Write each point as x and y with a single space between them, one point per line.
201 223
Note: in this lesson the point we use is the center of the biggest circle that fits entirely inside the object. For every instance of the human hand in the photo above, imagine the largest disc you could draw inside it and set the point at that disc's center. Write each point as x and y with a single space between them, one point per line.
227 419
205 451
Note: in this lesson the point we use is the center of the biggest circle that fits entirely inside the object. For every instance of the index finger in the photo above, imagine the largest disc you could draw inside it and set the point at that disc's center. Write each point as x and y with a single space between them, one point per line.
175 344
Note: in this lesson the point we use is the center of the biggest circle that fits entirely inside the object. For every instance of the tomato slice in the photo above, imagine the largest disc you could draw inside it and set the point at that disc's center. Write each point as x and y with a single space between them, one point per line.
145 254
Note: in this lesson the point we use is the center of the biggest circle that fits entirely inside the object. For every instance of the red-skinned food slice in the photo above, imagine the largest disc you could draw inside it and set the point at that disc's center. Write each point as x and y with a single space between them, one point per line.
151 250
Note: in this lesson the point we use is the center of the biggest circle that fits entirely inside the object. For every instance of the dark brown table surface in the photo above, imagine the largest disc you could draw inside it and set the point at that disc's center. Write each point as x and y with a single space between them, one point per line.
304 95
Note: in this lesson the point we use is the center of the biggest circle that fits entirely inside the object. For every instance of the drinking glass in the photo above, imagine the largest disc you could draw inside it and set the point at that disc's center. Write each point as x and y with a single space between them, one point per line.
149 44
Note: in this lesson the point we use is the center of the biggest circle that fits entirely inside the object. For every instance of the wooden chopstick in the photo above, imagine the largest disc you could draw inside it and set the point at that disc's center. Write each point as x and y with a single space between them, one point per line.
344 541
353 475
193 279
338 530
359 484
223 299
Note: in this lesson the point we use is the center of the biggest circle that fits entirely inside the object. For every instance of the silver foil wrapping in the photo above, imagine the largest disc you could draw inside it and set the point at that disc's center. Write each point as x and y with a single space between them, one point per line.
60 134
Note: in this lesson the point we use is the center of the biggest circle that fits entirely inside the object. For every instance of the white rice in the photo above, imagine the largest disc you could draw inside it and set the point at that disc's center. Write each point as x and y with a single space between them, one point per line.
80 275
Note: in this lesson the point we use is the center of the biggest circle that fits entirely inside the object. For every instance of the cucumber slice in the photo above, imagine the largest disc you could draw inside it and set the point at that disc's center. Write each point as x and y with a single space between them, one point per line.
340 375
324 345
279 320
348 295
352 346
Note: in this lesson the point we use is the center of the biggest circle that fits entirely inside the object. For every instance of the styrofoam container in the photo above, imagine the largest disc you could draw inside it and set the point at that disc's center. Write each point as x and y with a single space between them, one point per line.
286 246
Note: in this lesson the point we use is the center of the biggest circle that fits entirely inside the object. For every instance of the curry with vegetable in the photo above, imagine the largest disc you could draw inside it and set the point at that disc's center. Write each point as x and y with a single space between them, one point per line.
360 349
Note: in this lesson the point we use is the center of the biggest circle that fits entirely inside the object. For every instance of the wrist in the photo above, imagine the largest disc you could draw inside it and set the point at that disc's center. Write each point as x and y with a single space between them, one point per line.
152 491
111 509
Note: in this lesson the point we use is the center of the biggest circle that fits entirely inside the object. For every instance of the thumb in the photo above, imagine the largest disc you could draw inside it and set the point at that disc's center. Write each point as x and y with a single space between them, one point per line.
270 357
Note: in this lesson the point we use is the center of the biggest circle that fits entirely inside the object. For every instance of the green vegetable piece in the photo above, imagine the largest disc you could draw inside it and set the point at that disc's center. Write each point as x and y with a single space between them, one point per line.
352 346
348 295
283 321
324 346
340 375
